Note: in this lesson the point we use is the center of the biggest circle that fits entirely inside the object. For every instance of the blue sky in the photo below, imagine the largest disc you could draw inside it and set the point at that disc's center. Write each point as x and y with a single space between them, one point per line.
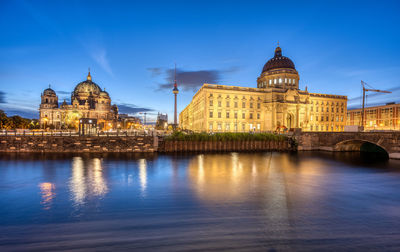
131 48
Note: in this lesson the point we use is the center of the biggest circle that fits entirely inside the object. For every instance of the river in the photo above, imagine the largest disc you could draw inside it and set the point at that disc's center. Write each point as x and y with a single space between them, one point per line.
225 201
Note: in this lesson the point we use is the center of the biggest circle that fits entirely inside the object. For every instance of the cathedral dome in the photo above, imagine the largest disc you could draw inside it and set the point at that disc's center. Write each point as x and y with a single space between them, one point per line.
87 87
49 92
278 61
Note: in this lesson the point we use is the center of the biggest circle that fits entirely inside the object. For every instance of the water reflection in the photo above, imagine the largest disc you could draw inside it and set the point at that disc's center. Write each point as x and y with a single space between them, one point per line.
47 191
87 180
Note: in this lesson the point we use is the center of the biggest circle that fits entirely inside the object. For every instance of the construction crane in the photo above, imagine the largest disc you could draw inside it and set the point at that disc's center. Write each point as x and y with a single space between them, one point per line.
363 103
146 113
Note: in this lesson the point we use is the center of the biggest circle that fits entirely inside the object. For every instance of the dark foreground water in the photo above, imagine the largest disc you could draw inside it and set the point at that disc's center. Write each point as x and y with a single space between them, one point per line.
234 202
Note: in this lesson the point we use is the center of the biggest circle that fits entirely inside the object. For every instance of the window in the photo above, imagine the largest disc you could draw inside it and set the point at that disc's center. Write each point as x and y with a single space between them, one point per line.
258 105
227 114
316 109
227 104
251 105
322 118
311 117
341 119
211 102
285 80
316 118
258 126
332 110
337 110
270 82
210 127
290 81
235 127
219 103
312 128
342 110
236 104
227 127
236 115
251 115
322 109
275 80
219 114
327 118
258 116
243 126
211 114
337 118
219 126
251 126
316 128
294 81
243 115
243 104
280 80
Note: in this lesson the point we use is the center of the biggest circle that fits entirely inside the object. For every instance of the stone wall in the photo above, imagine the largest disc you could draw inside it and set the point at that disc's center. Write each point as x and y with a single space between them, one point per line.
205 146
77 144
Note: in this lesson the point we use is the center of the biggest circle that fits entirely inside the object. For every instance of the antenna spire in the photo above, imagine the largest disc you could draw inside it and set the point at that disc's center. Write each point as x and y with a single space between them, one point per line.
89 77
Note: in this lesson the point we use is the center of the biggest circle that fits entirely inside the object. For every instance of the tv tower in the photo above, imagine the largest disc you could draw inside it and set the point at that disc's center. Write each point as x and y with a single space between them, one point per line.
175 91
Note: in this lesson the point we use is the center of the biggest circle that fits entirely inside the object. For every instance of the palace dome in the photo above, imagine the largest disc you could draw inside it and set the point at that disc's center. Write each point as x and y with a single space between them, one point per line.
88 87
278 61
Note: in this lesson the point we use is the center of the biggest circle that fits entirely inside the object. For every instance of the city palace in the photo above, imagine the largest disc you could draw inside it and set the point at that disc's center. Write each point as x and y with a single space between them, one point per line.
276 104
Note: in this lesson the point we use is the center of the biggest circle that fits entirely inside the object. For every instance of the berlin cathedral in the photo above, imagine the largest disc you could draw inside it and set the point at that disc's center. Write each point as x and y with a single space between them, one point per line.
277 103
87 101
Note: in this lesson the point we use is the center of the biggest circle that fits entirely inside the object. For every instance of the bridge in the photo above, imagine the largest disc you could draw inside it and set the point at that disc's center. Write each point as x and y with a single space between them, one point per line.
387 142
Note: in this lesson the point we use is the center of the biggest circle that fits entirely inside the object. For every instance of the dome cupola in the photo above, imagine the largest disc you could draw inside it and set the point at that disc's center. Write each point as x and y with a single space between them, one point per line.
278 61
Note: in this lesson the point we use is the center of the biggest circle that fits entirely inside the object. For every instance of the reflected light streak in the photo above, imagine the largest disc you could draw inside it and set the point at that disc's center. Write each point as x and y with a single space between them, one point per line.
99 187
47 191
143 175
77 182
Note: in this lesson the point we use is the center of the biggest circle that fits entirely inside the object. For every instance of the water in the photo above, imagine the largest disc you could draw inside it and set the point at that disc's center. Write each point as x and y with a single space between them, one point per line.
233 202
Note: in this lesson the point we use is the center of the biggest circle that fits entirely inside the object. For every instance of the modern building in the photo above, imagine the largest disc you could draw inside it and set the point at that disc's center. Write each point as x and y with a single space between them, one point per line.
386 117
277 103
87 101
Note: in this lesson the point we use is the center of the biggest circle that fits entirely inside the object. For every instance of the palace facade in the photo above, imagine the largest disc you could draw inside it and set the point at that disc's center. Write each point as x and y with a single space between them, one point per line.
87 101
385 117
277 103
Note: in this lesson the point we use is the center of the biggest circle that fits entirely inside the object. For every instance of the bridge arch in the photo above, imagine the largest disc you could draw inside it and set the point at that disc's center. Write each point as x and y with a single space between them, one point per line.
360 145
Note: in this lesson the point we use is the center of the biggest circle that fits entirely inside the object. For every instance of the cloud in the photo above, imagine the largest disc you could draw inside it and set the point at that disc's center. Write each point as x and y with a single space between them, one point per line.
187 80
125 108
2 97
63 92
100 56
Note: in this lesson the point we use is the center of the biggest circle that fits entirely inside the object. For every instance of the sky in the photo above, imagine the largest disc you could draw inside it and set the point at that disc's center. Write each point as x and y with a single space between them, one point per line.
131 48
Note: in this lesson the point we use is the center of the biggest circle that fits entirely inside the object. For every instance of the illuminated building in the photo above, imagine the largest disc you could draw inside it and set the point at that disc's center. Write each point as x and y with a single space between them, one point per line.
87 101
386 117
276 103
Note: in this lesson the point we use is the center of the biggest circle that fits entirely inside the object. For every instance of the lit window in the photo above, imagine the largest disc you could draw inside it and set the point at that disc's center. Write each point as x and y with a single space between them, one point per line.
285 80
275 80
294 81
219 127
290 81
270 82
210 126
258 126
280 80
311 118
